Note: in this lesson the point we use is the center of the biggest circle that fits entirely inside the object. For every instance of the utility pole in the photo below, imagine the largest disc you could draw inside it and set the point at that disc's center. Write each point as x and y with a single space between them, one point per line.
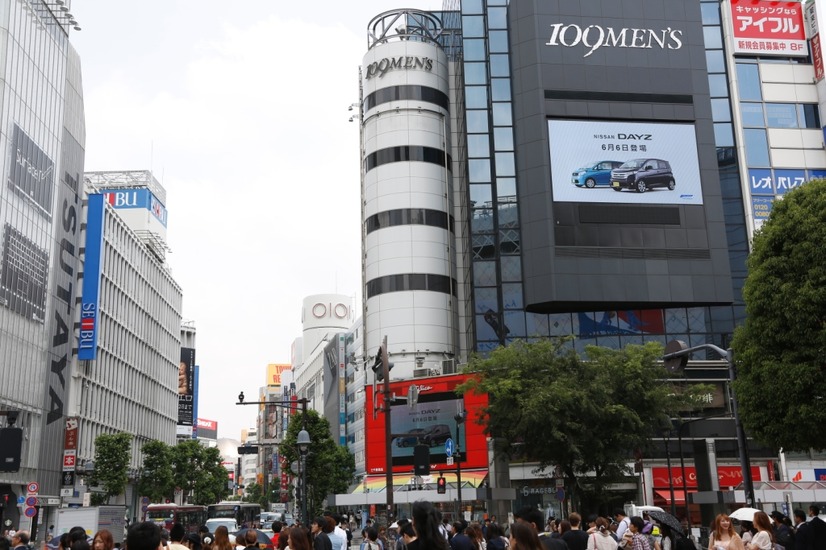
388 432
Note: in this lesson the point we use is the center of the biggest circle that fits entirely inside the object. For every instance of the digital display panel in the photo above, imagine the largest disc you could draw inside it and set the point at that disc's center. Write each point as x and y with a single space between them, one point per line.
624 162
430 422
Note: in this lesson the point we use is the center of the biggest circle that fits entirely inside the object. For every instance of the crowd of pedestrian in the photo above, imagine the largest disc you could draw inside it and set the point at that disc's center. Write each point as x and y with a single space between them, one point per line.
427 530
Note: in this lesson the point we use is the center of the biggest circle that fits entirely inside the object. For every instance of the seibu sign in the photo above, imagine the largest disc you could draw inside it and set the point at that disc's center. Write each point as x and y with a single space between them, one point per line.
594 37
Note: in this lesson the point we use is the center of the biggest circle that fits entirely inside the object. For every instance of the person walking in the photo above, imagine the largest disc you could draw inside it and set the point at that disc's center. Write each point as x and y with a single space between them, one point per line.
575 537
723 536
320 539
103 540
426 524
20 540
601 538
764 538
524 537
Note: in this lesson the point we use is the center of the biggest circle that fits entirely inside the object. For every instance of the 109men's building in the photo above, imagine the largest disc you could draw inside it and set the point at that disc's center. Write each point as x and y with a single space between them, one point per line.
540 168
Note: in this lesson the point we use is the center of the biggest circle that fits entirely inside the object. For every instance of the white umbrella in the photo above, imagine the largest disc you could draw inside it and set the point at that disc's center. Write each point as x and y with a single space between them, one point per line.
744 514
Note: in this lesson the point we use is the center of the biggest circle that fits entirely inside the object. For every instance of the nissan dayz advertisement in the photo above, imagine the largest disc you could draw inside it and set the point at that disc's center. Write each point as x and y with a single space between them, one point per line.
624 162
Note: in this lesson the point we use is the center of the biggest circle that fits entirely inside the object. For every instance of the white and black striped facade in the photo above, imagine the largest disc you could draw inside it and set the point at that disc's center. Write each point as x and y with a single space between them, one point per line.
409 251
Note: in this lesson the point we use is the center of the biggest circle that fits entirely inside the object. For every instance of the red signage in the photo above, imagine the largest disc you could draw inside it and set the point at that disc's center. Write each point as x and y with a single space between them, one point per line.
431 423
70 435
817 57
730 476
767 27
68 460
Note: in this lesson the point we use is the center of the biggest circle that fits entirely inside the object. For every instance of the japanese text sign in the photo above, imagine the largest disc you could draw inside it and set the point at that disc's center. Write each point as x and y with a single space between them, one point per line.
768 28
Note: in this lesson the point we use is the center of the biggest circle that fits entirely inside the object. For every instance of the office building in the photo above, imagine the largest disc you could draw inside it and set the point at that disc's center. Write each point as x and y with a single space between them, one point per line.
130 377
596 169
43 135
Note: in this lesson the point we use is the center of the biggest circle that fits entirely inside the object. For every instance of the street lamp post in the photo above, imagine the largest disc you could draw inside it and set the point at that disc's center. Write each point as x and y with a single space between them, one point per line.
303 444
289 404
682 352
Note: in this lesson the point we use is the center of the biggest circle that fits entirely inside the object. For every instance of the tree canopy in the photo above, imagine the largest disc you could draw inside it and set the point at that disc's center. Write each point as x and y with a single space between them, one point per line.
112 452
584 416
779 350
330 466
189 466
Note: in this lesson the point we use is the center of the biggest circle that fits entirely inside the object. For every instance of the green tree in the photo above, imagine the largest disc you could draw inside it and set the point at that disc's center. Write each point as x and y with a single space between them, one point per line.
330 466
779 350
155 481
547 404
112 453
198 472
255 493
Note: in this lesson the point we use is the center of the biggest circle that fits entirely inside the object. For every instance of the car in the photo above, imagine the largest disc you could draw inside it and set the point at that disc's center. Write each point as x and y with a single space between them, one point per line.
642 174
411 438
594 173
436 434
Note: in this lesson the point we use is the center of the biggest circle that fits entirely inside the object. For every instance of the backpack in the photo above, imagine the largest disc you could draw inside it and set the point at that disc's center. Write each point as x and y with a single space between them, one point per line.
684 543
785 537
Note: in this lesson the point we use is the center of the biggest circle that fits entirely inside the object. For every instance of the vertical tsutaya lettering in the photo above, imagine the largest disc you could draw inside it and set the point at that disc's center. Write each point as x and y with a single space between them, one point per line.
63 290
594 37
379 68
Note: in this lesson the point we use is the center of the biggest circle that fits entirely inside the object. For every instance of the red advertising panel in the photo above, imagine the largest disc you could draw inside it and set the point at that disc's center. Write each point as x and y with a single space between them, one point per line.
207 429
430 422
764 27
730 476
817 57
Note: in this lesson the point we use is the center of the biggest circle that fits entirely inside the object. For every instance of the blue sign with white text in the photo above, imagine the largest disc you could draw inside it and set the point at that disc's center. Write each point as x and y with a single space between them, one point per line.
92 262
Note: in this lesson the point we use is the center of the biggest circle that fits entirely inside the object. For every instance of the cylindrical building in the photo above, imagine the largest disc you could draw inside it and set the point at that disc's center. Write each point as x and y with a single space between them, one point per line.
408 230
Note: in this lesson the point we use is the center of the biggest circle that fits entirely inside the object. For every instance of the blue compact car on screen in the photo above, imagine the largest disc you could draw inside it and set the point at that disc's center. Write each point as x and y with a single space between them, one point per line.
595 173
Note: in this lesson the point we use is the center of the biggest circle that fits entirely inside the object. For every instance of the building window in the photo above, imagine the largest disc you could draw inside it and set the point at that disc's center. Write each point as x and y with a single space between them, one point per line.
748 78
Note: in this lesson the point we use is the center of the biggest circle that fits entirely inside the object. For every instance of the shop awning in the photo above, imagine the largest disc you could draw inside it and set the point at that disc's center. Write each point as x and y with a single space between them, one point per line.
665 494
378 483
372 489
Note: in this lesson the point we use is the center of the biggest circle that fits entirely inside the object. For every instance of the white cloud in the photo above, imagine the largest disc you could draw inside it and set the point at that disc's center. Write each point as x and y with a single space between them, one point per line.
242 114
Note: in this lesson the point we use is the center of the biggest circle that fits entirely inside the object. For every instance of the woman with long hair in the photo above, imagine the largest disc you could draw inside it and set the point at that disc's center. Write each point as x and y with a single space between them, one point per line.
601 538
763 539
284 538
426 523
477 539
299 539
496 537
524 537
221 540
103 540
723 536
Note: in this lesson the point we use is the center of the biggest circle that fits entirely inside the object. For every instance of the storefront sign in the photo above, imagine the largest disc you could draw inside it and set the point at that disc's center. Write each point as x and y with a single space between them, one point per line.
404 62
594 37
763 27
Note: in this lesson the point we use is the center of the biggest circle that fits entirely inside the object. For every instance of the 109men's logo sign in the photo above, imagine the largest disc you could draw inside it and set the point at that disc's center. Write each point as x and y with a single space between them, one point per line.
594 37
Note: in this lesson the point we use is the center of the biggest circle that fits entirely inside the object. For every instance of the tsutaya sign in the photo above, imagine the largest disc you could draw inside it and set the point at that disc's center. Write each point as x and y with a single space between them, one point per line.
594 37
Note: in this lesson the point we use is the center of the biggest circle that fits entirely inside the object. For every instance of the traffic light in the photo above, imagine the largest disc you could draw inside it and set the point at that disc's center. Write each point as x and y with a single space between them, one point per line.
382 359
421 460
441 485
377 370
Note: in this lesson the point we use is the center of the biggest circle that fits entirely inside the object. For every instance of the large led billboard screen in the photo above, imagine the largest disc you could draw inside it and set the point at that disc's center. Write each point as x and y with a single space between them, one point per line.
431 422
624 162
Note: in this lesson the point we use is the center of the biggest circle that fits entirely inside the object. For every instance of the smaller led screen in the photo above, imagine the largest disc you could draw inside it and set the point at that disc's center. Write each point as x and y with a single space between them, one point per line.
624 162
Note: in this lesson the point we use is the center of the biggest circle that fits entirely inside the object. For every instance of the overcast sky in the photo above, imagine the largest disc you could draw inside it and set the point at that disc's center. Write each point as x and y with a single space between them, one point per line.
241 111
